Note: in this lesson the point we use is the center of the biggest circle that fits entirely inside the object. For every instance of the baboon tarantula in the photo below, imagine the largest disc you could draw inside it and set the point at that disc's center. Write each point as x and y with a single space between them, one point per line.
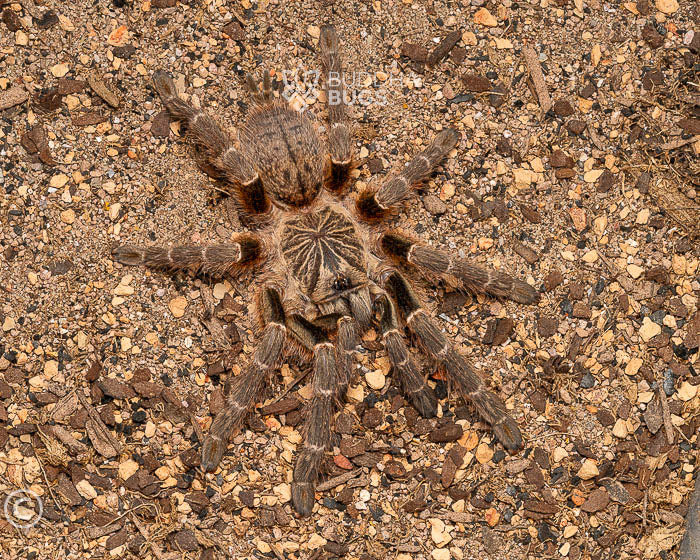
326 267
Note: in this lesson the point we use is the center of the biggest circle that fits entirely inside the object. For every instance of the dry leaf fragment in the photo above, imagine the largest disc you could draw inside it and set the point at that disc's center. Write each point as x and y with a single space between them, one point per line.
444 48
99 439
35 141
535 69
100 88
66 438
13 96
65 407
55 452
682 209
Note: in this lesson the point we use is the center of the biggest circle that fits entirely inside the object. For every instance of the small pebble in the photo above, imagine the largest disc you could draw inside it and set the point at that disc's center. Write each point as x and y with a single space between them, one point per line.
669 382
178 306
587 381
375 379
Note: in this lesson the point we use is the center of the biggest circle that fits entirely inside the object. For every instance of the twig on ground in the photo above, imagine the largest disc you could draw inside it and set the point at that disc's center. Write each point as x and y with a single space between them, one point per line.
291 386
48 486
154 547
691 540
338 480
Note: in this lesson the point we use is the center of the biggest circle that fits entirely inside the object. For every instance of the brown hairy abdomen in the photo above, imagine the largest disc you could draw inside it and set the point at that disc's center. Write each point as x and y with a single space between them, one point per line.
286 152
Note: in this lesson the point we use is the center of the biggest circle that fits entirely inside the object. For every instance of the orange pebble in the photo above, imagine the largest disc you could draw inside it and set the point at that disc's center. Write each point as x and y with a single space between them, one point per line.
343 462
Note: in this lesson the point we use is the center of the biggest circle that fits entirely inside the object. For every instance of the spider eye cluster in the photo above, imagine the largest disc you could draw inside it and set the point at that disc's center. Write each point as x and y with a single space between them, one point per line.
341 283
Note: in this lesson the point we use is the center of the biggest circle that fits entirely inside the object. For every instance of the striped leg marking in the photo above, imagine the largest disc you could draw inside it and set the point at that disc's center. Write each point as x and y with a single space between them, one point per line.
375 205
327 381
341 160
471 385
413 382
213 260
215 146
475 278
246 387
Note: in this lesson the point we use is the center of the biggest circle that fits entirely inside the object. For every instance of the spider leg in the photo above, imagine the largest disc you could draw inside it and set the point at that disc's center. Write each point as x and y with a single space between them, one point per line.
217 147
213 260
413 383
247 386
339 140
332 369
260 97
348 340
373 205
402 249
471 385
360 303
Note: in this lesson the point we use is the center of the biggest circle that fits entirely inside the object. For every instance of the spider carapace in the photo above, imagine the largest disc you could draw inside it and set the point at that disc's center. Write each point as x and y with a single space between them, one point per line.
324 254
326 267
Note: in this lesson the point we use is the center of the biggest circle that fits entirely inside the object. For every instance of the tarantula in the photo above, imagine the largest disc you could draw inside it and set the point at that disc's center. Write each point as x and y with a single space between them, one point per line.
326 267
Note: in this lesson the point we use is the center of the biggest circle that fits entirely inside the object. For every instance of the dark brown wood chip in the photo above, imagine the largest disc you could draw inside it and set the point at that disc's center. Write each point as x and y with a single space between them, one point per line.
444 47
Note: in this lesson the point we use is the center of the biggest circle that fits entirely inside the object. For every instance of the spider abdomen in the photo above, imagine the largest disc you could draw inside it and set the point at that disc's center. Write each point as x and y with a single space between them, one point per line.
285 150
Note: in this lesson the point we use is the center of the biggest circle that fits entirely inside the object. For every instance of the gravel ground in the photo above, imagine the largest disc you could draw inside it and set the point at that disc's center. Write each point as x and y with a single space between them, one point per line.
577 171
